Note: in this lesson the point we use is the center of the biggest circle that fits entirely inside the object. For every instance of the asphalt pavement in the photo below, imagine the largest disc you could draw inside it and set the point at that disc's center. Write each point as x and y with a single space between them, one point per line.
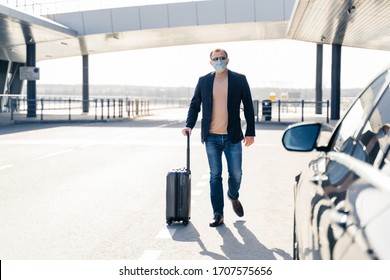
97 191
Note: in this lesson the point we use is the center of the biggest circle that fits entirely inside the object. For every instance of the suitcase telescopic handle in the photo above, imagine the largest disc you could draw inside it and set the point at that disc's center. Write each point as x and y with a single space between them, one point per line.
188 151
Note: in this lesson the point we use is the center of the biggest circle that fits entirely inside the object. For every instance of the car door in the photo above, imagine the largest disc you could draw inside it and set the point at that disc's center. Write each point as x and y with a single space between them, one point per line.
324 184
365 141
362 222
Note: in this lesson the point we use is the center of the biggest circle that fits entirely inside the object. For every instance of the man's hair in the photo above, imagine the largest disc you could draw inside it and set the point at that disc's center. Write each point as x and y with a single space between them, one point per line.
218 50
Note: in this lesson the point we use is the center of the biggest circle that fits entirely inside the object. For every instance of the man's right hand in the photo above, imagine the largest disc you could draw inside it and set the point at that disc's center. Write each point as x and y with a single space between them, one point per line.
184 131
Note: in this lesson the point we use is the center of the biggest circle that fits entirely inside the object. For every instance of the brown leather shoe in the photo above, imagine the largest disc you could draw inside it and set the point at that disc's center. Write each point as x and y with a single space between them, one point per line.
218 220
237 207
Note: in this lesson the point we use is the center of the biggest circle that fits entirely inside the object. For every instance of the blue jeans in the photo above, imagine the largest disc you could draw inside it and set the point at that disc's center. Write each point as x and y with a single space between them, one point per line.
215 145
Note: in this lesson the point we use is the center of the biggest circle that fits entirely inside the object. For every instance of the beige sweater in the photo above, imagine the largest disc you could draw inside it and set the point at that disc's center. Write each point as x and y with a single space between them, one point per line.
219 117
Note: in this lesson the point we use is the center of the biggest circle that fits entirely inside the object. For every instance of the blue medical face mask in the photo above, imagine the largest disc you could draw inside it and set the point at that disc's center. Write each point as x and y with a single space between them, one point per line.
220 65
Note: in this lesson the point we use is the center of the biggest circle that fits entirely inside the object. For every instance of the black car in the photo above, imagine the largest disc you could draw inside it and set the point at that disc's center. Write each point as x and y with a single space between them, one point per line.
342 198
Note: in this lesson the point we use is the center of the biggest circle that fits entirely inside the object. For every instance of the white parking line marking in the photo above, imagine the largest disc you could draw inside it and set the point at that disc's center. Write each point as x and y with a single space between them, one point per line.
166 233
6 166
150 255
168 124
56 153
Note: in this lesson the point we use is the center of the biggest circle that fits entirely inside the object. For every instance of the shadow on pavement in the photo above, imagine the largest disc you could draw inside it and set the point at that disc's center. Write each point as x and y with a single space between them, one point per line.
252 249
233 249
190 234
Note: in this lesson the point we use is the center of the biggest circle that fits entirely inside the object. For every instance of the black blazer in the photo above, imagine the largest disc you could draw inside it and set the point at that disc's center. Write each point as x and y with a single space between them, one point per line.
238 91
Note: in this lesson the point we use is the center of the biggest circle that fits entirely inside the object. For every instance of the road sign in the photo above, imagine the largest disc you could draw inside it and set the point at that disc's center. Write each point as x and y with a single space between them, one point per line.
30 73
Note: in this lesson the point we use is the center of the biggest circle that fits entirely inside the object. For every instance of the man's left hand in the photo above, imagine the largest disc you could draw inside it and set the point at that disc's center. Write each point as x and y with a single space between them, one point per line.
249 140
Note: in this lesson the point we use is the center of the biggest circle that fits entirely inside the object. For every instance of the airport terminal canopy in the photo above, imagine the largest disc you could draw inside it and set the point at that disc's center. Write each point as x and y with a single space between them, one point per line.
354 23
85 32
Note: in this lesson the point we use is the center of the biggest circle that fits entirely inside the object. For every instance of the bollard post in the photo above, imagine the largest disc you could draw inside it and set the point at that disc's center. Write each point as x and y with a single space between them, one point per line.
128 107
102 107
12 110
256 109
108 109
42 109
121 110
303 104
279 103
129 112
113 107
70 108
327 111
96 109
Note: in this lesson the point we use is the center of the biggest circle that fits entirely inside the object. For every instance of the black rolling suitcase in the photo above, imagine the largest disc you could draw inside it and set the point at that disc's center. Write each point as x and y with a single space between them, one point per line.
178 192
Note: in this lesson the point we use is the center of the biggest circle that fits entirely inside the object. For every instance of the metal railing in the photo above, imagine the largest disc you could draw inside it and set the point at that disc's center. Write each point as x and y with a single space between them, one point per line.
292 110
55 108
72 108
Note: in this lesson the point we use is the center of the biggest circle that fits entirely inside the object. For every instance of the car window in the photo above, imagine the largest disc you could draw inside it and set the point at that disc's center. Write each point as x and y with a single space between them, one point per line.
375 135
355 118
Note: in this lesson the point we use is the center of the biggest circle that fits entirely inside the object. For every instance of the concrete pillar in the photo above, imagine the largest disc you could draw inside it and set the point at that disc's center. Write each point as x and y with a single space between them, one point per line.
3 75
85 84
319 78
16 84
31 84
335 90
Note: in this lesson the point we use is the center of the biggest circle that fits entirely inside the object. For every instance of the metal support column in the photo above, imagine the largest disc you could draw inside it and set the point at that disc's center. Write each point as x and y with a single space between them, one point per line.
31 84
335 90
319 79
85 84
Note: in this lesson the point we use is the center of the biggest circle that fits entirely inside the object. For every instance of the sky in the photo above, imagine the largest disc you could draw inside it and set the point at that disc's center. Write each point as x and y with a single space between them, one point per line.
275 63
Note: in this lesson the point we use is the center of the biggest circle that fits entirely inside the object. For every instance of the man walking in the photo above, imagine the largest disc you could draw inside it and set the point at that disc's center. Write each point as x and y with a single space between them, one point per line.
220 95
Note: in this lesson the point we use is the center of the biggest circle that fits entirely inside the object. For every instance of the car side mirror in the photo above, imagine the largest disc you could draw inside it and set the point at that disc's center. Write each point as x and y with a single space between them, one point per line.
301 137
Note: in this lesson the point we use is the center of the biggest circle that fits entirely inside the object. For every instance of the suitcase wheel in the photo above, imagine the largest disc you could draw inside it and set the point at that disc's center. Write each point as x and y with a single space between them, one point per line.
185 222
169 221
